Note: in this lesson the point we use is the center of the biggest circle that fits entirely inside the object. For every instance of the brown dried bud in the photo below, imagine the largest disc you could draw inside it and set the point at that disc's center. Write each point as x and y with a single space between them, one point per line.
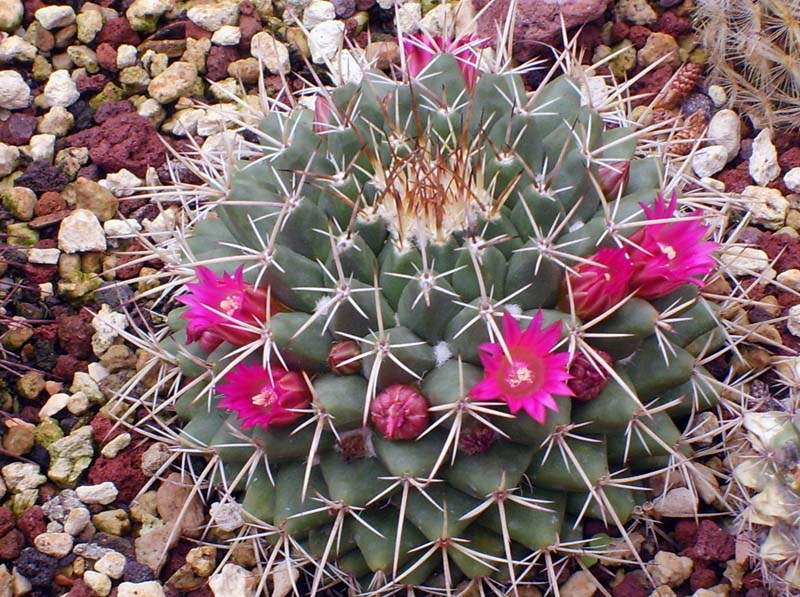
400 412
588 378
476 439
342 358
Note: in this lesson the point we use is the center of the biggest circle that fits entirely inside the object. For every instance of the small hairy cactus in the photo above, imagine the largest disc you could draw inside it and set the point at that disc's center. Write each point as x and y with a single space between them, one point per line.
438 324
754 53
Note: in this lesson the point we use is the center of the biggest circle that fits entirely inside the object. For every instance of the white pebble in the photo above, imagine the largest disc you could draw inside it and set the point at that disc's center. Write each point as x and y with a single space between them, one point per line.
103 493
44 256
76 521
81 231
792 180
763 166
14 91
55 404
793 321
57 545
97 582
54 17
325 40
768 207
717 95
725 129
60 90
111 564
227 35
707 161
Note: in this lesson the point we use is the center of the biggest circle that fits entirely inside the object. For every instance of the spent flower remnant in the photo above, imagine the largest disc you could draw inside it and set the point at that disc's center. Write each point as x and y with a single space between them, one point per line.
669 254
421 49
221 308
526 374
264 397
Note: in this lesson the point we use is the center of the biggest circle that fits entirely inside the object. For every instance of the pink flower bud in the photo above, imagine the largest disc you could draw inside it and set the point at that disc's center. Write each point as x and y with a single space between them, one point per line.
613 177
400 412
588 379
342 358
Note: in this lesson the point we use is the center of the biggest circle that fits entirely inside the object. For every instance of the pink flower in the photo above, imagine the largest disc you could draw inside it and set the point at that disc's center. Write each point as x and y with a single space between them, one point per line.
529 375
420 50
323 114
218 307
400 412
602 284
668 255
262 397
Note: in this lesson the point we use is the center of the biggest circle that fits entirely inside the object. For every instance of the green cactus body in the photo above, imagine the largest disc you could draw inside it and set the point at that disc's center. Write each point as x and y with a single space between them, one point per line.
409 230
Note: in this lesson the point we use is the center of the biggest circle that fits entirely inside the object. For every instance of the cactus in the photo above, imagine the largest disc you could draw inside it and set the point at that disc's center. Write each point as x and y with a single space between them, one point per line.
753 53
438 324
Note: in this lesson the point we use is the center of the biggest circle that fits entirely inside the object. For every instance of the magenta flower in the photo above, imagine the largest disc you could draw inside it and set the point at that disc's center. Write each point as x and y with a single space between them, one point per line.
262 397
529 374
420 50
602 284
668 255
218 307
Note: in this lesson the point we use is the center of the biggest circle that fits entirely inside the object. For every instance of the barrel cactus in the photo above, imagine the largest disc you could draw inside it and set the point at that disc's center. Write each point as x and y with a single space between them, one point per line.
433 326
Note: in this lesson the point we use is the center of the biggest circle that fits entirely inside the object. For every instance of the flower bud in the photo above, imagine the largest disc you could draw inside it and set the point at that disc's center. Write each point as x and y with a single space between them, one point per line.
342 358
588 378
613 177
400 412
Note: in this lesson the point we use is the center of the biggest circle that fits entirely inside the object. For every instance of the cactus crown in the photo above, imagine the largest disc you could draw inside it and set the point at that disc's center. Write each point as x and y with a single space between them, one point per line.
457 320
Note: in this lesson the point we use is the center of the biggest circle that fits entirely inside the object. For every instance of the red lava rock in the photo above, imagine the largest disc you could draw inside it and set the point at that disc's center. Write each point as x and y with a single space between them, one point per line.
122 141
47 331
125 471
219 57
652 83
67 365
91 83
365 4
75 336
713 543
7 521
107 57
789 159
50 202
118 31
783 247
759 592
193 31
633 585
176 558
638 35
249 25
779 185
80 589
203 591
590 37
42 176
673 25
702 578
735 179
103 429
18 129
31 6
11 545
619 31
32 523
753 580
128 265
108 110
39 273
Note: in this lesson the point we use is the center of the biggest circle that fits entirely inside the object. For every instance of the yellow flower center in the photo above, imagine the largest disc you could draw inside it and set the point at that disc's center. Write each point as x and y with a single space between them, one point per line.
230 304
266 397
519 375
668 251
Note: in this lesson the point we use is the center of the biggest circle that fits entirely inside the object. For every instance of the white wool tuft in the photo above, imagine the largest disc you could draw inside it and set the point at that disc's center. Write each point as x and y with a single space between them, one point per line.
442 353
